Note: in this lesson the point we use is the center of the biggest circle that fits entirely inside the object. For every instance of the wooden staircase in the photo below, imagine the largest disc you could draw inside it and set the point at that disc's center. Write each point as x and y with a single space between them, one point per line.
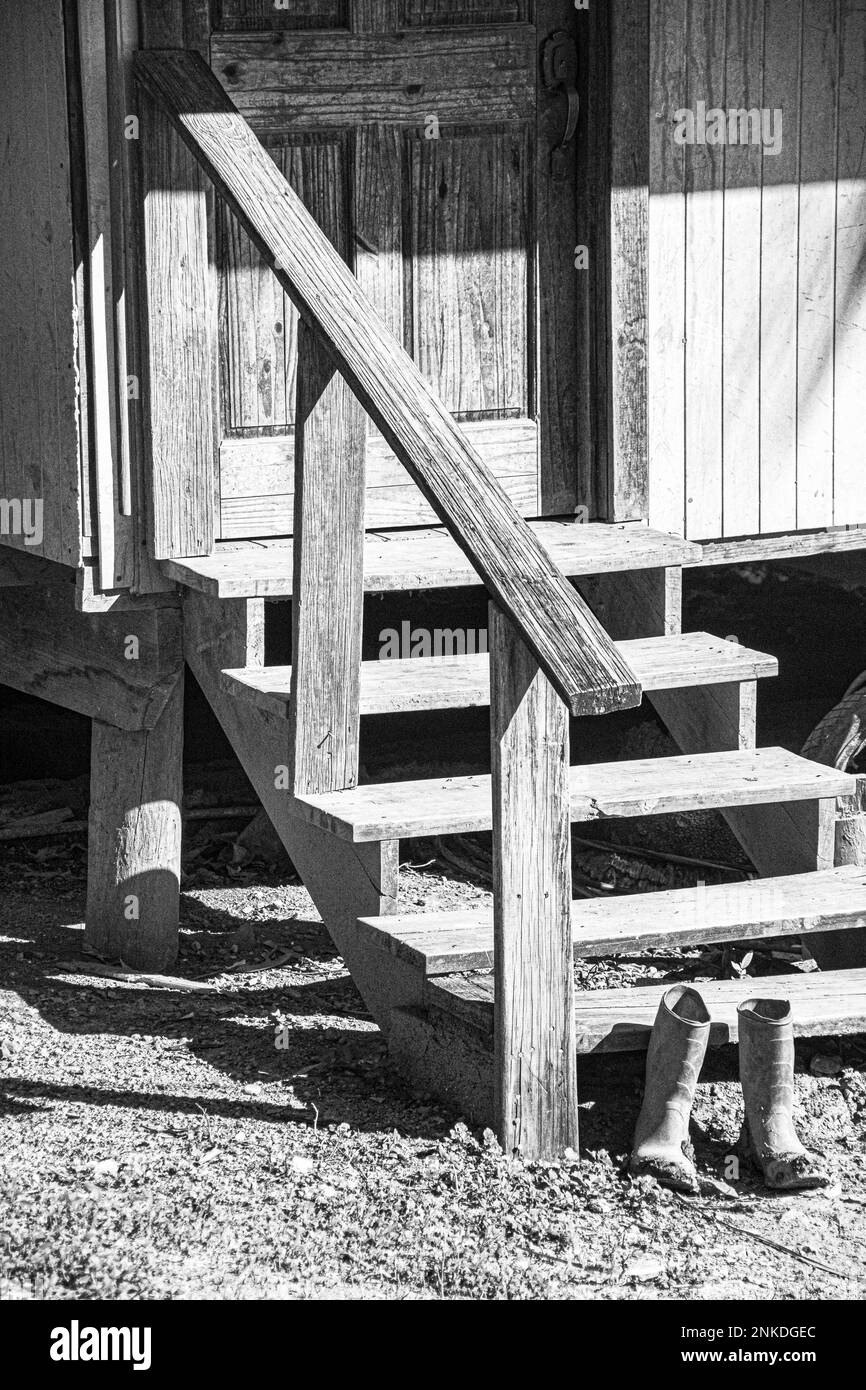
583 620
435 995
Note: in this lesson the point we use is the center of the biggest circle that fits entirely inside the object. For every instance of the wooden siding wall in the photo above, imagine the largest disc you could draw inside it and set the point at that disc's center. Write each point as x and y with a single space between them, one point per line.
757 270
39 445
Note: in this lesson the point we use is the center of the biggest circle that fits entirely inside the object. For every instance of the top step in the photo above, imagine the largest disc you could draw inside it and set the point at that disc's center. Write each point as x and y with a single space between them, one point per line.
427 558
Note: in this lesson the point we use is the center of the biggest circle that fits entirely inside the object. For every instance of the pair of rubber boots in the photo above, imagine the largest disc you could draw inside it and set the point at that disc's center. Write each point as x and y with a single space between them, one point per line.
676 1052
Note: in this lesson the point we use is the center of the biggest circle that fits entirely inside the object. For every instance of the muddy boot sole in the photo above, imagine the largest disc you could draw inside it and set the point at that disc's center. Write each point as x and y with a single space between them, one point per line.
785 1172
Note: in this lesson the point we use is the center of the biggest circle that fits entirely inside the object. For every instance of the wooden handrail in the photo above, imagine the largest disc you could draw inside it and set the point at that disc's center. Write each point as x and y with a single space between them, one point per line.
567 640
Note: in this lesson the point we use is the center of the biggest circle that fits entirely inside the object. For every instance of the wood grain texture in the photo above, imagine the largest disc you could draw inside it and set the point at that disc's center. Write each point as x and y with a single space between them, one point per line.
285 81
470 228
442 943
561 394
128 31
816 263
621 1020
791 239
849 384
390 686
79 660
400 505
666 288
535 1081
435 12
634 787
637 603
103 120
568 642
779 242
628 489
480 298
710 721
742 268
378 220
257 479
430 559
162 23
374 16
234 15
258 334
790 546
179 414
327 584
704 173
134 839
39 348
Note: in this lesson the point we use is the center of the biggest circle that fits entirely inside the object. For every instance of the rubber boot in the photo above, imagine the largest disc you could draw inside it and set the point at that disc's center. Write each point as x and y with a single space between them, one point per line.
768 1136
674 1058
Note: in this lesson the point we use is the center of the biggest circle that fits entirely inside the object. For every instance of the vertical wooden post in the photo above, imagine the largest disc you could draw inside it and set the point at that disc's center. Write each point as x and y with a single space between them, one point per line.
328 582
535 1064
179 419
613 198
134 839
845 950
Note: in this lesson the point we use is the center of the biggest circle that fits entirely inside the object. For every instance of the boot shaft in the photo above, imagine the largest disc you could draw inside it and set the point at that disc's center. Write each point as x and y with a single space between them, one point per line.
767 1071
674 1058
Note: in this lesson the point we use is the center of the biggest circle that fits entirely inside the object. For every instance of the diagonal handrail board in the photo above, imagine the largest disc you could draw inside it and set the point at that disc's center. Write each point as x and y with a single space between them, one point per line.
567 640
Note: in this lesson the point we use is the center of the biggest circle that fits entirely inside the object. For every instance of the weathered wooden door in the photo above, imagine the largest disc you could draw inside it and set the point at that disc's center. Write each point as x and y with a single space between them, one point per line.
421 136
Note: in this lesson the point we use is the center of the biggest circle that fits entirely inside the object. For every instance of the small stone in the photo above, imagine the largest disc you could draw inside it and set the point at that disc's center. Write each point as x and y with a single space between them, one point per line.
300 1164
644 1270
823 1065
599 1206
714 1187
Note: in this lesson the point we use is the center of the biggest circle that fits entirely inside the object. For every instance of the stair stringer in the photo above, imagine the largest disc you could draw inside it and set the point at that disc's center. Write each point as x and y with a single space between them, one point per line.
794 837
345 880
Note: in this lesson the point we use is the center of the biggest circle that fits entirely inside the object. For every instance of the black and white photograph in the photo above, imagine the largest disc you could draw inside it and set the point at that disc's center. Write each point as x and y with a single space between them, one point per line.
432 671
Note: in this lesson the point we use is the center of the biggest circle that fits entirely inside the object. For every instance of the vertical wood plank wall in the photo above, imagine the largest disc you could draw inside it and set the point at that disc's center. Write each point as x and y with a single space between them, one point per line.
757 270
39 446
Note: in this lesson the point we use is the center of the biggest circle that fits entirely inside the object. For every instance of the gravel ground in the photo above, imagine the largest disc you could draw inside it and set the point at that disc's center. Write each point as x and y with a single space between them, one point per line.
163 1145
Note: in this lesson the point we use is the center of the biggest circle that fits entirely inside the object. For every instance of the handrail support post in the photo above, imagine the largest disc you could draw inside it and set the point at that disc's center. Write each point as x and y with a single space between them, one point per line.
535 1059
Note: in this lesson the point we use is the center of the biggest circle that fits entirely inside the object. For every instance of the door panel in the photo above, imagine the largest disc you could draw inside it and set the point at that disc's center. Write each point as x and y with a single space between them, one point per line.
258 333
365 106
467 256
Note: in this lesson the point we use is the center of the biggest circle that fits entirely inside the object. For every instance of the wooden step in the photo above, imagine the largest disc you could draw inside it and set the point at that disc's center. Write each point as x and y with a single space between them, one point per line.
427 558
641 787
461 682
442 943
621 1020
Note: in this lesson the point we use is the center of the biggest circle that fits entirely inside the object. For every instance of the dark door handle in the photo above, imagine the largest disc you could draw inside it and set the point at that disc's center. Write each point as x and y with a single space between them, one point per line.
559 70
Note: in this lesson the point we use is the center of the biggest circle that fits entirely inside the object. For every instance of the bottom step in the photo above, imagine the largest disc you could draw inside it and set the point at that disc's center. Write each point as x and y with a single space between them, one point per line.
620 1020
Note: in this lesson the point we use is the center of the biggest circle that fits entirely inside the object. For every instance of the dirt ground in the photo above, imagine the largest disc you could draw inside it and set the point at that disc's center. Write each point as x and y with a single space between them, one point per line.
162 1145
